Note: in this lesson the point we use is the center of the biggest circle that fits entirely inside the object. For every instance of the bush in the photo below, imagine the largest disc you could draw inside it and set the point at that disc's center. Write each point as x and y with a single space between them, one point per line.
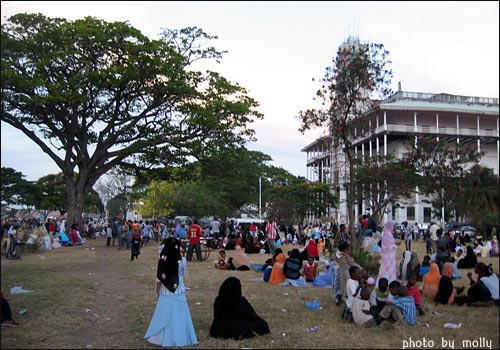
370 262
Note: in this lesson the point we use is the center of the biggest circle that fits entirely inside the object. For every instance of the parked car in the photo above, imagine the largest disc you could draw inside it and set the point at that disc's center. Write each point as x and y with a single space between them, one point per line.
422 228
453 227
469 230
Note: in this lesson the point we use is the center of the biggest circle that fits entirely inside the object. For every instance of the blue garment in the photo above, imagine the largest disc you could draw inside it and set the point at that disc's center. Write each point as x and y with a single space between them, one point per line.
267 273
171 324
424 270
64 238
299 282
456 273
182 233
325 278
408 308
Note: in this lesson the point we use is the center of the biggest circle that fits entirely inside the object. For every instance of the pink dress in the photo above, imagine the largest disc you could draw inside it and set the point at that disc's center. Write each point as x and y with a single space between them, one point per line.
388 254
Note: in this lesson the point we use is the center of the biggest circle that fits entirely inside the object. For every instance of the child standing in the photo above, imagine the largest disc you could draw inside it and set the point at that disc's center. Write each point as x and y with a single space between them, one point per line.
310 269
361 310
136 245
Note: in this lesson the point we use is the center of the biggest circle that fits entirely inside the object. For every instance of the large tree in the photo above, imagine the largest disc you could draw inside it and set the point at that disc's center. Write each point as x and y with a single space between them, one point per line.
93 95
358 77
382 181
289 203
444 169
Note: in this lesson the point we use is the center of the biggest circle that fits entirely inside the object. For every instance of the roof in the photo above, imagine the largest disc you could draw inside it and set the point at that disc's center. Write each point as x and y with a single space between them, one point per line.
441 106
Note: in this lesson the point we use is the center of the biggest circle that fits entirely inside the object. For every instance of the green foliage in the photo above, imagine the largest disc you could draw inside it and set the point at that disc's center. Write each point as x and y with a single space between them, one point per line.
106 95
370 262
357 78
383 180
444 169
15 189
291 202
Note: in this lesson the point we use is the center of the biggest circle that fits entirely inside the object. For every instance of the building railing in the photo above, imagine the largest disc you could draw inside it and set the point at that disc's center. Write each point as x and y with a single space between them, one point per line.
433 130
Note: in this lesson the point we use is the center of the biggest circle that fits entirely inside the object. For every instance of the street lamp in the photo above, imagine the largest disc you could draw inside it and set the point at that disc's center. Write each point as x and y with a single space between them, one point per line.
260 194
260 197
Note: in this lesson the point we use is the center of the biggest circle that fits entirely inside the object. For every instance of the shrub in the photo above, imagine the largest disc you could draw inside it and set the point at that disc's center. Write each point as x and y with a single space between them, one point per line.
369 261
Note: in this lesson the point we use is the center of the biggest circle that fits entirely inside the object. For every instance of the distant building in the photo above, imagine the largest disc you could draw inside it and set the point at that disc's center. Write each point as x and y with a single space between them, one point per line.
461 119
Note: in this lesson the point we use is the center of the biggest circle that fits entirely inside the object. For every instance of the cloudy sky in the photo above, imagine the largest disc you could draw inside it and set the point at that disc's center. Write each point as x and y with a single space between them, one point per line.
275 49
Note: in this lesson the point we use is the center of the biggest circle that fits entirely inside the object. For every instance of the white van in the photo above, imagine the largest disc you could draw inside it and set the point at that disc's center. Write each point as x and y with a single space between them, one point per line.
185 221
245 222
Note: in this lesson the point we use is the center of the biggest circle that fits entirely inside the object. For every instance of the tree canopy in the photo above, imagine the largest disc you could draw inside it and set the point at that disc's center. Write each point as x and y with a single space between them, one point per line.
357 78
94 95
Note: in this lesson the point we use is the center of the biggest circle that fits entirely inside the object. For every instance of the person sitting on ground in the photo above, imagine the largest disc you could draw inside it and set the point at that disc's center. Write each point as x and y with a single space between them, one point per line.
310 249
234 316
361 310
379 296
292 269
268 270
459 254
76 239
415 292
478 293
221 262
469 261
325 278
277 274
310 269
446 292
7 319
425 266
239 261
430 282
401 309
353 287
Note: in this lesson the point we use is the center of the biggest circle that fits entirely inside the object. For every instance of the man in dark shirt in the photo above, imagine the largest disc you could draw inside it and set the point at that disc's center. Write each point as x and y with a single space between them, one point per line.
442 250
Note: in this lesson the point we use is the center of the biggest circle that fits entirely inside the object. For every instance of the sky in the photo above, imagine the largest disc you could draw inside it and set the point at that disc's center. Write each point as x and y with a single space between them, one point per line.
276 49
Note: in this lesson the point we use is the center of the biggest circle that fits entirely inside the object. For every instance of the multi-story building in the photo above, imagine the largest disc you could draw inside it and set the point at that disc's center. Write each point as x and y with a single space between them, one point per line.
461 119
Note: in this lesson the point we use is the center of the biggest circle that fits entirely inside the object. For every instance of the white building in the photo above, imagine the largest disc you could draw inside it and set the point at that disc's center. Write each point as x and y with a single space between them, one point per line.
461 119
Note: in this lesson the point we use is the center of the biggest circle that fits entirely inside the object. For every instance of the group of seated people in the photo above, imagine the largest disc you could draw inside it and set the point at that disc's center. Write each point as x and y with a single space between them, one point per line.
387 300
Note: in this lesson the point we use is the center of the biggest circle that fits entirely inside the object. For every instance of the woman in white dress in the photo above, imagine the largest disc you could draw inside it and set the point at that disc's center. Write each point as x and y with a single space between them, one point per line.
171 324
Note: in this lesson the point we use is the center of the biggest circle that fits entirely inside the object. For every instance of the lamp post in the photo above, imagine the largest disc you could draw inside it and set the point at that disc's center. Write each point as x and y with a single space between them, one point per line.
260 197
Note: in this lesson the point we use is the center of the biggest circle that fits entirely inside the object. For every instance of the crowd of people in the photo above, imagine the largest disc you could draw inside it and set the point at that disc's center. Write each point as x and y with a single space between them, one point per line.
398 293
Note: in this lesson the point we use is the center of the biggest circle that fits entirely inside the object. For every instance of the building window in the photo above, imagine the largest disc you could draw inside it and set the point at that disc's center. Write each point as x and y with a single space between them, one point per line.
427 214
410 213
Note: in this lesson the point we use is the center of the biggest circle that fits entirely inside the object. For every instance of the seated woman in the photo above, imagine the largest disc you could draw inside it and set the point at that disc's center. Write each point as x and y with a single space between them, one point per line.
310 249
234 317
484 290
277 274
469 260
430 283
325 278
292 270
239 261
446 292
425 266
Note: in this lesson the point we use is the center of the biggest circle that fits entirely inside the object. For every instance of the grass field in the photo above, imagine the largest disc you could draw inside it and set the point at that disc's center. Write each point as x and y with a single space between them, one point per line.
93 296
